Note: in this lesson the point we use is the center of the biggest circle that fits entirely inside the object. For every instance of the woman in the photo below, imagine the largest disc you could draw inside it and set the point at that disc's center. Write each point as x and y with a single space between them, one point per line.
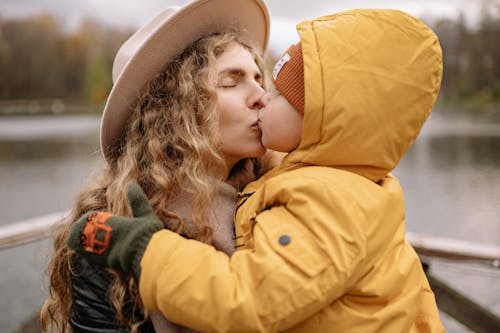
190 140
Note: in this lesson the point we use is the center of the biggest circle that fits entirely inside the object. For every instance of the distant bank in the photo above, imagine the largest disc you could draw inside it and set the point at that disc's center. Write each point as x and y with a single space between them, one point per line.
47 106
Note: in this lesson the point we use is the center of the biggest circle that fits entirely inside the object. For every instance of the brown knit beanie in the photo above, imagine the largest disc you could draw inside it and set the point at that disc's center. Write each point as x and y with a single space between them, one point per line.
288 76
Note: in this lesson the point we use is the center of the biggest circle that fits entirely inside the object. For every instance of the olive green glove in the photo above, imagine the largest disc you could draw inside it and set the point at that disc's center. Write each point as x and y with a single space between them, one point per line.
116 241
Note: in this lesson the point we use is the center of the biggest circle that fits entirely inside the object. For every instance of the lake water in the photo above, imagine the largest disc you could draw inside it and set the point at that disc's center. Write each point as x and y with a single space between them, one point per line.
451 179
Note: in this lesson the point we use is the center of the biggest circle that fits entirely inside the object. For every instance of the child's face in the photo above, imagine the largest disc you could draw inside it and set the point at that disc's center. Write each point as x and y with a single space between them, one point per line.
280 123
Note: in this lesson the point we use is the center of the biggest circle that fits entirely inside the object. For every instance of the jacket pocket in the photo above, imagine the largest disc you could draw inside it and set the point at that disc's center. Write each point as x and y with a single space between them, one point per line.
291 240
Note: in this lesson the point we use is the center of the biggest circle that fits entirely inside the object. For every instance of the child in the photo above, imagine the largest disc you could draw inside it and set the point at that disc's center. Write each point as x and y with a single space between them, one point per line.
321 238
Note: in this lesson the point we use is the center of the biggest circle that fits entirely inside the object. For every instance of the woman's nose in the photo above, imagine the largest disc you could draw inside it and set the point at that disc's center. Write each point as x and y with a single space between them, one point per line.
257 98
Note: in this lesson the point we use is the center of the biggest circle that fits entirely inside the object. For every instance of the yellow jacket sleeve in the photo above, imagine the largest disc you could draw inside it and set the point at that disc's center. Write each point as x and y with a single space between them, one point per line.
292 271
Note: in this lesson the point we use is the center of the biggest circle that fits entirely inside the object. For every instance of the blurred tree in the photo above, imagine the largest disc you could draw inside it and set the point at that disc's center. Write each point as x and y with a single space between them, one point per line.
489 33
471 52
3 61
101 50
32 68
39 59
101 40
451 45
98 81
75 64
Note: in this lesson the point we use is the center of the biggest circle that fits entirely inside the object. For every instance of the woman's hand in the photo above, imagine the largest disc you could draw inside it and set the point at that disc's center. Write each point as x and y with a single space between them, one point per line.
116 241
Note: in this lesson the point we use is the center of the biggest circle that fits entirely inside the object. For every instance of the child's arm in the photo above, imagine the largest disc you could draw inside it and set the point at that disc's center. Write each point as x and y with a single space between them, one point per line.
290 274
304 256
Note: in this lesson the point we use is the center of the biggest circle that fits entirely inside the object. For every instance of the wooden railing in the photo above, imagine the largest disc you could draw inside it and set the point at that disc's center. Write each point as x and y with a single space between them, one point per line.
40 227
450 301
453 249
458 306
29 230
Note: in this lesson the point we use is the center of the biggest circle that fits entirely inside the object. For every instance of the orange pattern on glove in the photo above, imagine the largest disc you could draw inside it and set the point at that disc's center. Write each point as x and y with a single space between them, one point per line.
96 235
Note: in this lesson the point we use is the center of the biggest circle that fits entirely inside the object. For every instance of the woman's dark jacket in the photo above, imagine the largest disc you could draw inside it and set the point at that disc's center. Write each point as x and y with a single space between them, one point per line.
91 311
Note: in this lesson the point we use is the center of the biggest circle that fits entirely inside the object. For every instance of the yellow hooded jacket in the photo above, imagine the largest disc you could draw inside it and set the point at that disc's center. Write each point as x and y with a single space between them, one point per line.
321 238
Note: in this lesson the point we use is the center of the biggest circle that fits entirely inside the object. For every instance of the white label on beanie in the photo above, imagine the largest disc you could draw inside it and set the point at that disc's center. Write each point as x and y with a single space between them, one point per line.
277 68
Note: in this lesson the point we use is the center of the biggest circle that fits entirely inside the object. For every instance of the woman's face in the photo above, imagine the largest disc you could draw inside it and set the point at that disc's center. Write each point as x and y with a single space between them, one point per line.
239 89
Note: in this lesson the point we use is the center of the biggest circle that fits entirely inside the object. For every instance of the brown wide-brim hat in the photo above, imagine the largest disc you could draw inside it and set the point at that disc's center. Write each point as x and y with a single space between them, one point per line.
148 51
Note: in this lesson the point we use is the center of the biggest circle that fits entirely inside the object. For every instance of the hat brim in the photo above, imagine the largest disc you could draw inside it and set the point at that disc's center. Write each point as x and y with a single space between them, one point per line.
178 31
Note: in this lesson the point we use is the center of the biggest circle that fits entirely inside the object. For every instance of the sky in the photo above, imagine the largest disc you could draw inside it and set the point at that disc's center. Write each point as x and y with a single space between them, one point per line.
284 13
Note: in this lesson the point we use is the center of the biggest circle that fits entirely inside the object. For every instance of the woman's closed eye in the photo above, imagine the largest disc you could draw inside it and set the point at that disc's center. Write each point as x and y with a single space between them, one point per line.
229 78
227 83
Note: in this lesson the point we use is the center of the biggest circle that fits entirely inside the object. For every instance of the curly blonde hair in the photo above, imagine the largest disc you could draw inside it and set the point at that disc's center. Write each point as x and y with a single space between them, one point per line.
170 144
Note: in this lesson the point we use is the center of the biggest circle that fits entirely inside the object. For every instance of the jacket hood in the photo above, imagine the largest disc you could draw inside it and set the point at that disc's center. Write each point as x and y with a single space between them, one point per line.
371 80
